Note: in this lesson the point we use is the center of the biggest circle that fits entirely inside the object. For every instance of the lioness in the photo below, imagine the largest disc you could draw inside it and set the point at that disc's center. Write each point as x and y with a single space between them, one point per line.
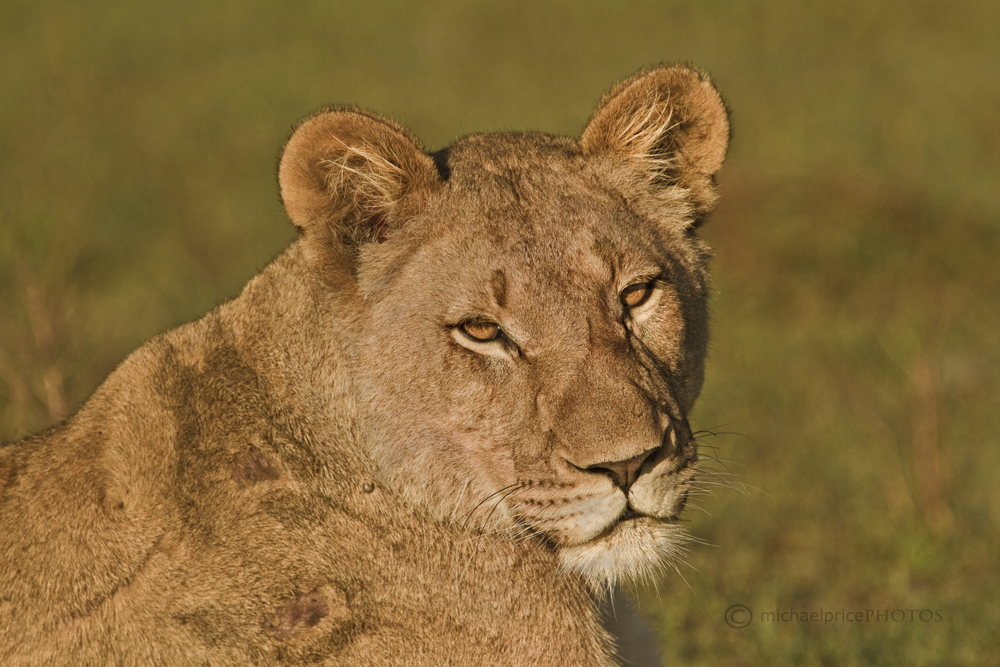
436 430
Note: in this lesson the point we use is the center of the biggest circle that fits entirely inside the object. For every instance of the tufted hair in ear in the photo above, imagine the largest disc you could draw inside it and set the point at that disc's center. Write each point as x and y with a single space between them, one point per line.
669 126
348 178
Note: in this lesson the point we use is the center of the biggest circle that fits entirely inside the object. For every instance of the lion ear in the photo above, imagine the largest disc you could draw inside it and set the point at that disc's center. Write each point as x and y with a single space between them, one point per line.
669 126
349 178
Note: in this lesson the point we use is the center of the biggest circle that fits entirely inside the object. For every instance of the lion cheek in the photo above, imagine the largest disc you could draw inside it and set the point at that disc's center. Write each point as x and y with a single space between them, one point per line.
583 519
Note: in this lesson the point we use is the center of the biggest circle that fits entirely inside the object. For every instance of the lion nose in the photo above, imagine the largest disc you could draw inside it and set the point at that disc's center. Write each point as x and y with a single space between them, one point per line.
622 473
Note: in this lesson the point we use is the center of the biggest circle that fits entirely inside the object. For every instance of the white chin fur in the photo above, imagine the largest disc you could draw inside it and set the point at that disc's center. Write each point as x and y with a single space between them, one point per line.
633 552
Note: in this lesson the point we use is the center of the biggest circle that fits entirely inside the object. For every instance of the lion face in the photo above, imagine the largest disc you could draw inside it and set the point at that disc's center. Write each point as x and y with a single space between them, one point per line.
532 316
546 343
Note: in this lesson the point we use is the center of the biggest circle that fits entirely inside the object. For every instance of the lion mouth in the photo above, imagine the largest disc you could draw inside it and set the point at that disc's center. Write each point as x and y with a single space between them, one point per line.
631 524
633 550
629 513
632 517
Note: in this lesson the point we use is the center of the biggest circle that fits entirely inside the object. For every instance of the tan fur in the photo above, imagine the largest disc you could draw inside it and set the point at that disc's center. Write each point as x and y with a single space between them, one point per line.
327 470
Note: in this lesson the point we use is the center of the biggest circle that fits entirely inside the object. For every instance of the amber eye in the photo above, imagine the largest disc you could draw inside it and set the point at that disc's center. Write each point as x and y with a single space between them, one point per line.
481 332
636 294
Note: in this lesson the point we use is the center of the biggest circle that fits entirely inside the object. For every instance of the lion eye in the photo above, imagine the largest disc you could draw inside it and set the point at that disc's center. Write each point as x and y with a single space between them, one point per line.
481 332
636 294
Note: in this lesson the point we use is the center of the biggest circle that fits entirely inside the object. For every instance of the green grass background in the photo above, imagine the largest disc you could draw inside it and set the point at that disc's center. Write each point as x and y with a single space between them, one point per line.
856 311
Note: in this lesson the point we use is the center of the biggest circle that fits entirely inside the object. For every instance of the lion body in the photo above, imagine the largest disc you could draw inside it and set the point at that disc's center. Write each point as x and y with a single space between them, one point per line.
195 510
331 469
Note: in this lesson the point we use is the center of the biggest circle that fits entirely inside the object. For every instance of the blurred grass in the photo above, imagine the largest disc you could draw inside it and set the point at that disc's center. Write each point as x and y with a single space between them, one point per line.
856 335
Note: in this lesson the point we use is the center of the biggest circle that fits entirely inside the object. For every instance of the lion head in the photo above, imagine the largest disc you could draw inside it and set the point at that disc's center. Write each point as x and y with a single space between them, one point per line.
530 313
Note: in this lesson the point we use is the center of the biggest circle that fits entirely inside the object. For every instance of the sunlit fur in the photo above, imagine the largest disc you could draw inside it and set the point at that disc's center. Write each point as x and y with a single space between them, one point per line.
322 469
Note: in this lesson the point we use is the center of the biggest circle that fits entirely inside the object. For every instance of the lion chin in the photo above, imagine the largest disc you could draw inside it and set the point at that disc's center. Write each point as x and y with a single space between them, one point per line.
634 551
